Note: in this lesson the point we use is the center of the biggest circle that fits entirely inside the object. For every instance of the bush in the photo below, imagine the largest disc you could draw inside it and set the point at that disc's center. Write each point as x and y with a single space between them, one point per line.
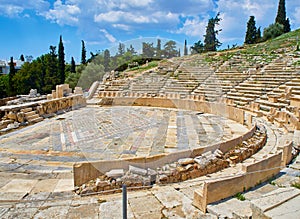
273 31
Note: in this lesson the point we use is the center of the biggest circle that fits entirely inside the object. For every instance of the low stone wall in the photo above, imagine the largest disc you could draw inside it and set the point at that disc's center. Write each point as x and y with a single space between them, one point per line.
85 171
190 103
3 101
17 113
252 175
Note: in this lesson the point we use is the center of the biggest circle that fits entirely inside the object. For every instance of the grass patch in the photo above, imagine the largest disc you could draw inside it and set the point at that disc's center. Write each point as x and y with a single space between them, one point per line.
296 185
240 196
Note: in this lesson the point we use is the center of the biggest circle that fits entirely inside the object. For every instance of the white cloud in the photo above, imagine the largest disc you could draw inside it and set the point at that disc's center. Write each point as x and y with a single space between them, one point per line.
63 13
193 27
137 17
117 16
110 37
13 8
122 27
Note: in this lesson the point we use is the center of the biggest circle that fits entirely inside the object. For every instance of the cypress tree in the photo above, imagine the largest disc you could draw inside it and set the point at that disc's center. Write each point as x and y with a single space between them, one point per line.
22 58
281 16
12 72
258 35
251 34
211 43
158 48
185 52
61 62
106 60
73 66
83 53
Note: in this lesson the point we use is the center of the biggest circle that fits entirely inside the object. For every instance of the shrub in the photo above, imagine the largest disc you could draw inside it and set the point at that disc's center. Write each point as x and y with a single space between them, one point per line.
273 31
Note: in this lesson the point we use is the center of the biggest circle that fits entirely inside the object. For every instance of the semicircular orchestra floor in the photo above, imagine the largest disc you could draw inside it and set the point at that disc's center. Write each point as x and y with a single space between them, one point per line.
110 133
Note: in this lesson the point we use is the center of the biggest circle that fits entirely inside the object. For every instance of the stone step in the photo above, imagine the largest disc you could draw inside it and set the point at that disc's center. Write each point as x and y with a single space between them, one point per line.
25 110
30 113
231 208
32 117
36 120
273 200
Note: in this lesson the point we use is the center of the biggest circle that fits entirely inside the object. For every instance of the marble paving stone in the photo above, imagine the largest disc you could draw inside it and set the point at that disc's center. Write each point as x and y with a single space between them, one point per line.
145 205
19 185
90 211
52 212
20 213
46 185
113 210
64 185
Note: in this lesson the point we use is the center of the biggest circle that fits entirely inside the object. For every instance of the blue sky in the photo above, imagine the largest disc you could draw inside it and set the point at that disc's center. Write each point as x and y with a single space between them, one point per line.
30 27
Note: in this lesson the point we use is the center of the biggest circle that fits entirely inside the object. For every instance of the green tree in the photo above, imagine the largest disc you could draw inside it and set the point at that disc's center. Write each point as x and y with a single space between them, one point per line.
22 58
287 26
185 52
170 49
251 34
131 50
274 30
72 79
4 85
28 77
12 72
121 49
147 50
211 43
158 49
198 47
73 66
281 16
51 77
92 72
106 60
258 35
61 62
83 53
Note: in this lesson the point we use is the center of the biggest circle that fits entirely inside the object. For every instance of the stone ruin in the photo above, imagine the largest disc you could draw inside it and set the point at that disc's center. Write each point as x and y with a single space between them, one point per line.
33 108
184 169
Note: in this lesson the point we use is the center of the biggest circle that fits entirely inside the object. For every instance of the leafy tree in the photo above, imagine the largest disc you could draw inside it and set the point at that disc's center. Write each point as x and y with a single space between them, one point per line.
170 49
51 77
22 58
185 52
61 62
73 66
72 79
131 50
147 50
92 72
4 89
28 77
251 33
211 43
198 47
274 30
281 16
83 53
12 72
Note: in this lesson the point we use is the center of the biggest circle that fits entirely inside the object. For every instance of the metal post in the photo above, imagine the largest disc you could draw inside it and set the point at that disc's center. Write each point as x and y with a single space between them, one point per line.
124 192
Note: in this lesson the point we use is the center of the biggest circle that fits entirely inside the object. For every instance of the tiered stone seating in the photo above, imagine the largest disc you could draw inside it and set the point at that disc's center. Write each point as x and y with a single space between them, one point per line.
150 82
259 84
187 77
